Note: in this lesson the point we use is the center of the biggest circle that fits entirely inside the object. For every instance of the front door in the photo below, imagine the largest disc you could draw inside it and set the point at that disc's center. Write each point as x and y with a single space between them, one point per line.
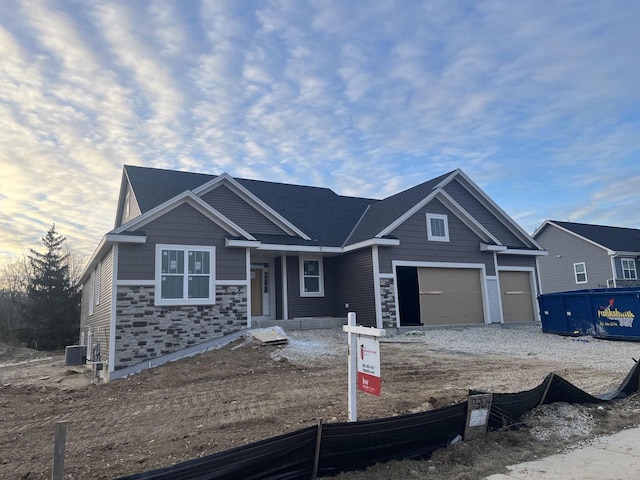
256 292
259 290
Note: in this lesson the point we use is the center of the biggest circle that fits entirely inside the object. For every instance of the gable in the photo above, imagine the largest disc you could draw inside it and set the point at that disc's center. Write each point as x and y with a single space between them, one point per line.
614 238
413 231
240 212
482 214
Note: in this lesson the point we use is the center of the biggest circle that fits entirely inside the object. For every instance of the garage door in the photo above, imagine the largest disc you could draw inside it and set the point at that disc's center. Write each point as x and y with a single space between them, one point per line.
517 299
450 296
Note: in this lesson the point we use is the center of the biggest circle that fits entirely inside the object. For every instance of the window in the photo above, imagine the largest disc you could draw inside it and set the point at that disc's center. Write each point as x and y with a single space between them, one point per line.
437 228
629 269
580 271
97 284
185 275
92 289
311 278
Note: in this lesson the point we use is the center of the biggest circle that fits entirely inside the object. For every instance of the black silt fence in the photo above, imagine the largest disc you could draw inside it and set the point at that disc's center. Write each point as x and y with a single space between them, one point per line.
343 447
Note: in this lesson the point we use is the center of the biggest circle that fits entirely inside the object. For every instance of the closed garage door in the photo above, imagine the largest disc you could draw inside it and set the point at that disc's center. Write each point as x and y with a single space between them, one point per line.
517 299
450 296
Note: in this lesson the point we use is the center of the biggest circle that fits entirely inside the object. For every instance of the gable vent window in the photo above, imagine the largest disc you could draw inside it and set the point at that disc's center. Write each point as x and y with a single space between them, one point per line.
580 271
185 275
629 269
437 228
311 278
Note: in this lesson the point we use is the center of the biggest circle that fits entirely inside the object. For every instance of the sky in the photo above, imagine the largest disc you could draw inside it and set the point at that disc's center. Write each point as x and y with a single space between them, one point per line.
537 101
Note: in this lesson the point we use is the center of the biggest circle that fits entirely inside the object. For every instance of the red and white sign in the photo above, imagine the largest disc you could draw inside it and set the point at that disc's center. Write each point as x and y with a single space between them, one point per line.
368 365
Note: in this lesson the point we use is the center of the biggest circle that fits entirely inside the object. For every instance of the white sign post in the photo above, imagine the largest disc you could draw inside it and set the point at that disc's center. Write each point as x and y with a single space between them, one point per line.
364 361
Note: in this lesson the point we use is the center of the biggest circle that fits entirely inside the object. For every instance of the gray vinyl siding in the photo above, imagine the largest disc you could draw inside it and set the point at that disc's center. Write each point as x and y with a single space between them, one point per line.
181 226
240 212
353 284
100 321
516 261
556 269
134 209
483 215
463 245
620 280
309 306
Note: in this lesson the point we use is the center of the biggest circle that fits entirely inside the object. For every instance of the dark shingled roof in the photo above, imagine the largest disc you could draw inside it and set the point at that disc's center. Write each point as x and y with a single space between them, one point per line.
326 217
619 239
383 213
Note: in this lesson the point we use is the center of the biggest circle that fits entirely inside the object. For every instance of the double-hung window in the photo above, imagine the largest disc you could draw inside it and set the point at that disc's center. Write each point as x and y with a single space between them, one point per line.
580 272
629 269
185 275
437 228
311 277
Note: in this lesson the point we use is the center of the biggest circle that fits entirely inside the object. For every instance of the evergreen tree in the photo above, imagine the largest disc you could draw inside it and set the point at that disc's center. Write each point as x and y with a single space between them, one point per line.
52 312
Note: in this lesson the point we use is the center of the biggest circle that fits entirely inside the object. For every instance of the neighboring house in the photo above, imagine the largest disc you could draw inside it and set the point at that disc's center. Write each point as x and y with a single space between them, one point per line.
195 257
583 256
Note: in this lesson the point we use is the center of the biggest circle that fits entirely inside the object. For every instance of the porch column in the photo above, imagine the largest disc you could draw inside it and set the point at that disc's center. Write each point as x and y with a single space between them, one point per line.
285 297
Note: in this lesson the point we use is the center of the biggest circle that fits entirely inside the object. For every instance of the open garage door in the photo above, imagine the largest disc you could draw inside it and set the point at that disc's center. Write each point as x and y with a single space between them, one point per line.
450 296
517 299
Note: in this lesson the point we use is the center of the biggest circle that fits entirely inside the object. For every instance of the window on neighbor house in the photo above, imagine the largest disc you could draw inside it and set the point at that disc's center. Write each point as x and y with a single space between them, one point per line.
311 278
185 275
580 271
629 269
437 228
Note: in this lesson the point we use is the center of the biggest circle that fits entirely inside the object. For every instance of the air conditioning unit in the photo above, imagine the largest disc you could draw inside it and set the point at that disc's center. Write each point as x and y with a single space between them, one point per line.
75 355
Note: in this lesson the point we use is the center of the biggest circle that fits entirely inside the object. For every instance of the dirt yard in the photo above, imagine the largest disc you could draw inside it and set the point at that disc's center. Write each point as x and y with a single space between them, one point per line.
243 393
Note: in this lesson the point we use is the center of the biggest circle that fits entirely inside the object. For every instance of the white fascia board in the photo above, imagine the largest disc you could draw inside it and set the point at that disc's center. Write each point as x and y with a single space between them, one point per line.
197 203
254 201
115 238
624 254
230 242
503 217
403 218
517 251
299 248
466 217
492 248
387 242
93 260
355 227
566 230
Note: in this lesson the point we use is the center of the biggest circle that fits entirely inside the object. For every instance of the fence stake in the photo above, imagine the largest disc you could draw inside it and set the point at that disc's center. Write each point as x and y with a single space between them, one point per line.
316 458
546 389
58 450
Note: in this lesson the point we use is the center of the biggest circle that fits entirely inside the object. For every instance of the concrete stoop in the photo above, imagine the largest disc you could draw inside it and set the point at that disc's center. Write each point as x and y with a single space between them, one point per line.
301 323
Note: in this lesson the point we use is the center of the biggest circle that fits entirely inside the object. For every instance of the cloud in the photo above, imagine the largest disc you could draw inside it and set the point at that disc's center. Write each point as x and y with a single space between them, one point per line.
538 105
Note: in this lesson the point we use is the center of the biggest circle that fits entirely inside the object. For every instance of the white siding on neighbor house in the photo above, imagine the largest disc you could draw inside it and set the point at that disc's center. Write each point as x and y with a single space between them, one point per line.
565 249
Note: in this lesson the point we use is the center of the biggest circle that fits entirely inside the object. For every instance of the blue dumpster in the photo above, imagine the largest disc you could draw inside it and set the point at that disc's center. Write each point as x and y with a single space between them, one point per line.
608 313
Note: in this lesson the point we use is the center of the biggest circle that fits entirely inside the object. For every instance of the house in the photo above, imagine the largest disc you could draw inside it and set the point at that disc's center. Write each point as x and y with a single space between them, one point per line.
583 256
195 257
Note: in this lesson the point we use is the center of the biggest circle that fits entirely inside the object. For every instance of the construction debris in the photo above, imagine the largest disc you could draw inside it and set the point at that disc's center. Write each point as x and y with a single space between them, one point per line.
269 336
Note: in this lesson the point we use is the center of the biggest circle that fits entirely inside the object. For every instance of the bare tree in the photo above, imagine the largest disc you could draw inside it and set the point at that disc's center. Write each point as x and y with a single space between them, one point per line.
14 278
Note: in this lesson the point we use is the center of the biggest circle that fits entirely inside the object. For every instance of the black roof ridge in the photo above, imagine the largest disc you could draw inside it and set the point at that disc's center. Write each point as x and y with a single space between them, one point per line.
593 225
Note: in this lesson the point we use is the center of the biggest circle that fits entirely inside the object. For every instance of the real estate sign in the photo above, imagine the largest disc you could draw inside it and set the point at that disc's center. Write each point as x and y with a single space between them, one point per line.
368 364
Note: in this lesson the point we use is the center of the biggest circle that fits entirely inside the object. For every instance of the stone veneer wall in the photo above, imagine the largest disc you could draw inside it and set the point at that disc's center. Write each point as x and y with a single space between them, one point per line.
388 302
145 331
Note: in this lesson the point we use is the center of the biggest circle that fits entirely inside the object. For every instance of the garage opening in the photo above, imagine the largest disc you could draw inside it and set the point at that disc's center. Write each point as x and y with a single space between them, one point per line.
408 296
450 296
